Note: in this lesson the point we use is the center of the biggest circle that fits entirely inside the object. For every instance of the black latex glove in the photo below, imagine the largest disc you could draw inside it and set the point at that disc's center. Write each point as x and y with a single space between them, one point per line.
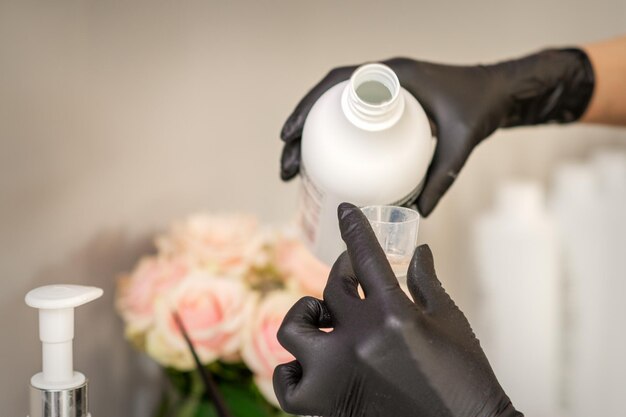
386 355
467 104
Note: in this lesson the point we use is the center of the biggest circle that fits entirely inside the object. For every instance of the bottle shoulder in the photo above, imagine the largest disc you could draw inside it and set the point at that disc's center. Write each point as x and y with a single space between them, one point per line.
340 156
327 113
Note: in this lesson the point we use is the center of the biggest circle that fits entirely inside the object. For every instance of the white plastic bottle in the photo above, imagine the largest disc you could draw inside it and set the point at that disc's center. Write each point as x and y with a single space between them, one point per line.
366 141
516 254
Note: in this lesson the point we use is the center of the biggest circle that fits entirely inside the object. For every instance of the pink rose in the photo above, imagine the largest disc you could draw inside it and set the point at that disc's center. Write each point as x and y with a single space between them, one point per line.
266 387
260 349
138 291
213 311
227 244
295 261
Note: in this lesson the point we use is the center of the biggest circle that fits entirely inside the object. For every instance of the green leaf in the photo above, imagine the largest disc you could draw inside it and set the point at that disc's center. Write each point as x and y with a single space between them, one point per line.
197 385
181 381
206 409
234 381
243 401
230 371
164 406
189 408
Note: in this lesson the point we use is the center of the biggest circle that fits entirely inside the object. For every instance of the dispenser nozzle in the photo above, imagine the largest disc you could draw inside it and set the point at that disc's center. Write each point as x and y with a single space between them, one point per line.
56 305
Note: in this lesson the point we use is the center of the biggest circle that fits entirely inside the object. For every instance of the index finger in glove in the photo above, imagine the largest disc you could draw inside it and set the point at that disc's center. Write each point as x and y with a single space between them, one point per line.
367 257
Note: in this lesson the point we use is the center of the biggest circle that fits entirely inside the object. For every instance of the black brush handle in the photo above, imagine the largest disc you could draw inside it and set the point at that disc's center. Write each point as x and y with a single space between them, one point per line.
209 384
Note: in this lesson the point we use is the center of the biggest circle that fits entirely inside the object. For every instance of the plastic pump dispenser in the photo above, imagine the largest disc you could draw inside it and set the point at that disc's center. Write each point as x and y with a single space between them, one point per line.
59 391
366 141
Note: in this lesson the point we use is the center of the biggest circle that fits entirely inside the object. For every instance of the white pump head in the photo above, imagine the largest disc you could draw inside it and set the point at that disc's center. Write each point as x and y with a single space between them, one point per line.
56 331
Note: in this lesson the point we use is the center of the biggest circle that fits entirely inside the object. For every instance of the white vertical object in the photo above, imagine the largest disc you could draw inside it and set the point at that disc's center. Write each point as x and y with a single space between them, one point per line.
576 211
517 261
611 171
590 204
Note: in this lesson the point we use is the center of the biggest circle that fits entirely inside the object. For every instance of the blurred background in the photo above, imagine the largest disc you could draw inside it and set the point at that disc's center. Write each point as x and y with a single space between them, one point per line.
117 117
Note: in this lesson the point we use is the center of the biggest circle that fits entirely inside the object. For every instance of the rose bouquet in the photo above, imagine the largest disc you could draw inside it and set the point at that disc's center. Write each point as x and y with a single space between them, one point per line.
230 282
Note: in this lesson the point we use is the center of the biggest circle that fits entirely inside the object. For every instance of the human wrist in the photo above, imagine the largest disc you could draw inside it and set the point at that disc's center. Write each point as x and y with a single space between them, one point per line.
608 104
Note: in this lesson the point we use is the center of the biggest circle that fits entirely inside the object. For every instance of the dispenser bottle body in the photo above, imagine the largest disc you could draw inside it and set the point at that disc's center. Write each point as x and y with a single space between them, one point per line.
363 146
59 403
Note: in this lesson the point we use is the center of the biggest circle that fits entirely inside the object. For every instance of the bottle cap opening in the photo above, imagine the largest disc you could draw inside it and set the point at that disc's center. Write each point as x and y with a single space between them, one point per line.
372 100
375 84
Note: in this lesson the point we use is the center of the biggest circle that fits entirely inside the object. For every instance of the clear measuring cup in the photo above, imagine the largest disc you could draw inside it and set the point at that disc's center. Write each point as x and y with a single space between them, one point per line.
396 230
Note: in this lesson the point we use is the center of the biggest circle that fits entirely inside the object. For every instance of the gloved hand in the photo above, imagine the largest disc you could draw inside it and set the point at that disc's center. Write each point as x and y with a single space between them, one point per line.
386 355
467 104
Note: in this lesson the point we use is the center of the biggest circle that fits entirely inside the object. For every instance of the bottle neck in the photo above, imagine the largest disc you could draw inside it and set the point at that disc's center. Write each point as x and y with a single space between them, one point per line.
372 99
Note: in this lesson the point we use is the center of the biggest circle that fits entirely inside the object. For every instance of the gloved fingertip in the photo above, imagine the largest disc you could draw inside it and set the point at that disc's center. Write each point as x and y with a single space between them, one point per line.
426 203
350 217
441 175
292 128
423 259
288 173
422 280
290 160
287 130
345 209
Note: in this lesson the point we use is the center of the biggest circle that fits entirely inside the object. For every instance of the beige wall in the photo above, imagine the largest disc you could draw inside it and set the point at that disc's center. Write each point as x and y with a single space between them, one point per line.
118 116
